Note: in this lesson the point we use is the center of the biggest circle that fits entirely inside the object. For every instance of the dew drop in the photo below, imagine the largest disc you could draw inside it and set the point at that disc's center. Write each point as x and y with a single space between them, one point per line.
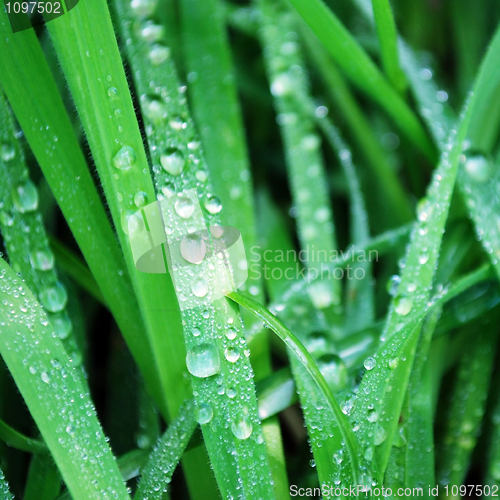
143 8
478 168
61 324
231 334
184 207
393 363
213 205
334 371
370 363
199 288
140 199
112 92
282 85
232 354
152 32
125 158
168 190
42 260
204 413
172 161
25 197
196 332
193 248
154 108
54 298
380 435
403 305
242 428
231 392
7 152
158 54
393 285
45 377
203 360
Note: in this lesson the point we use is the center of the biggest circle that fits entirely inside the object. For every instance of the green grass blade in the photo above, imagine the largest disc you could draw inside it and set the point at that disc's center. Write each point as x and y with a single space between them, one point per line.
467 404
32 93
44 480
55 395
17 440
90 59
301 353
171 132
387 37
306 171
161 465
361 70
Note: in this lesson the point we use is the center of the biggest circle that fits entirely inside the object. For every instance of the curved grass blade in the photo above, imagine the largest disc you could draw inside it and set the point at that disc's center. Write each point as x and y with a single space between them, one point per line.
17 440
44 480
387 37
157 474
361 70
173 142
55 396
32 93
301 353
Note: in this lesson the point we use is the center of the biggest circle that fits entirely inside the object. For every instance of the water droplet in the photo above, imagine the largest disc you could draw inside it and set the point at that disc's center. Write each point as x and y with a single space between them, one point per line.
231 334
282 85
54 298
203 360
393 363
232 354
403 305
184 207
193 248
424 210
199 288
369 454
201 175
70 430
334 371
140 199
231 392
125 158
112 92
7 152
152 32
45 377
154 108
380 435
168 190
479 168
61 324
172 161
158 54
370 363
423 258
42 260
242 428
203 413
25 197
393 285
143 8
213 205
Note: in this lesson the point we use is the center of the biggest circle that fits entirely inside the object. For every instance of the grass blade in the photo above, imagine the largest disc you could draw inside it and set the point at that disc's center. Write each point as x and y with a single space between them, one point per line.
387 37
161 465
361 70
17 440
5 493
55 395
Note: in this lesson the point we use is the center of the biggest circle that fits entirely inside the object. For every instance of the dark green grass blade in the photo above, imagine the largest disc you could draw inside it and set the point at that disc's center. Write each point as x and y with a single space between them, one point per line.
361 70
55 395
17 440
5 493
33 96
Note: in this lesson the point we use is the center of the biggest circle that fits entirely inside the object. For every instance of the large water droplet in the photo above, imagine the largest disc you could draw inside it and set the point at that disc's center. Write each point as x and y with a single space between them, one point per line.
154 108
370 363
393 285
152 32
172 161
199 287
203 360
125 158
232 354
143 8
54 298
61 324
403 305
42 260
193 248
7 152
479 168
203 413
158 54
242 428
213 205
231 334
282 85
380 435
184 207
140 199
25 197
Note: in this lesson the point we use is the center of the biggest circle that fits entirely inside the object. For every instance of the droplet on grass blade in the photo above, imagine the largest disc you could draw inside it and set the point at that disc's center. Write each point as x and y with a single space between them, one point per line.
203 360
